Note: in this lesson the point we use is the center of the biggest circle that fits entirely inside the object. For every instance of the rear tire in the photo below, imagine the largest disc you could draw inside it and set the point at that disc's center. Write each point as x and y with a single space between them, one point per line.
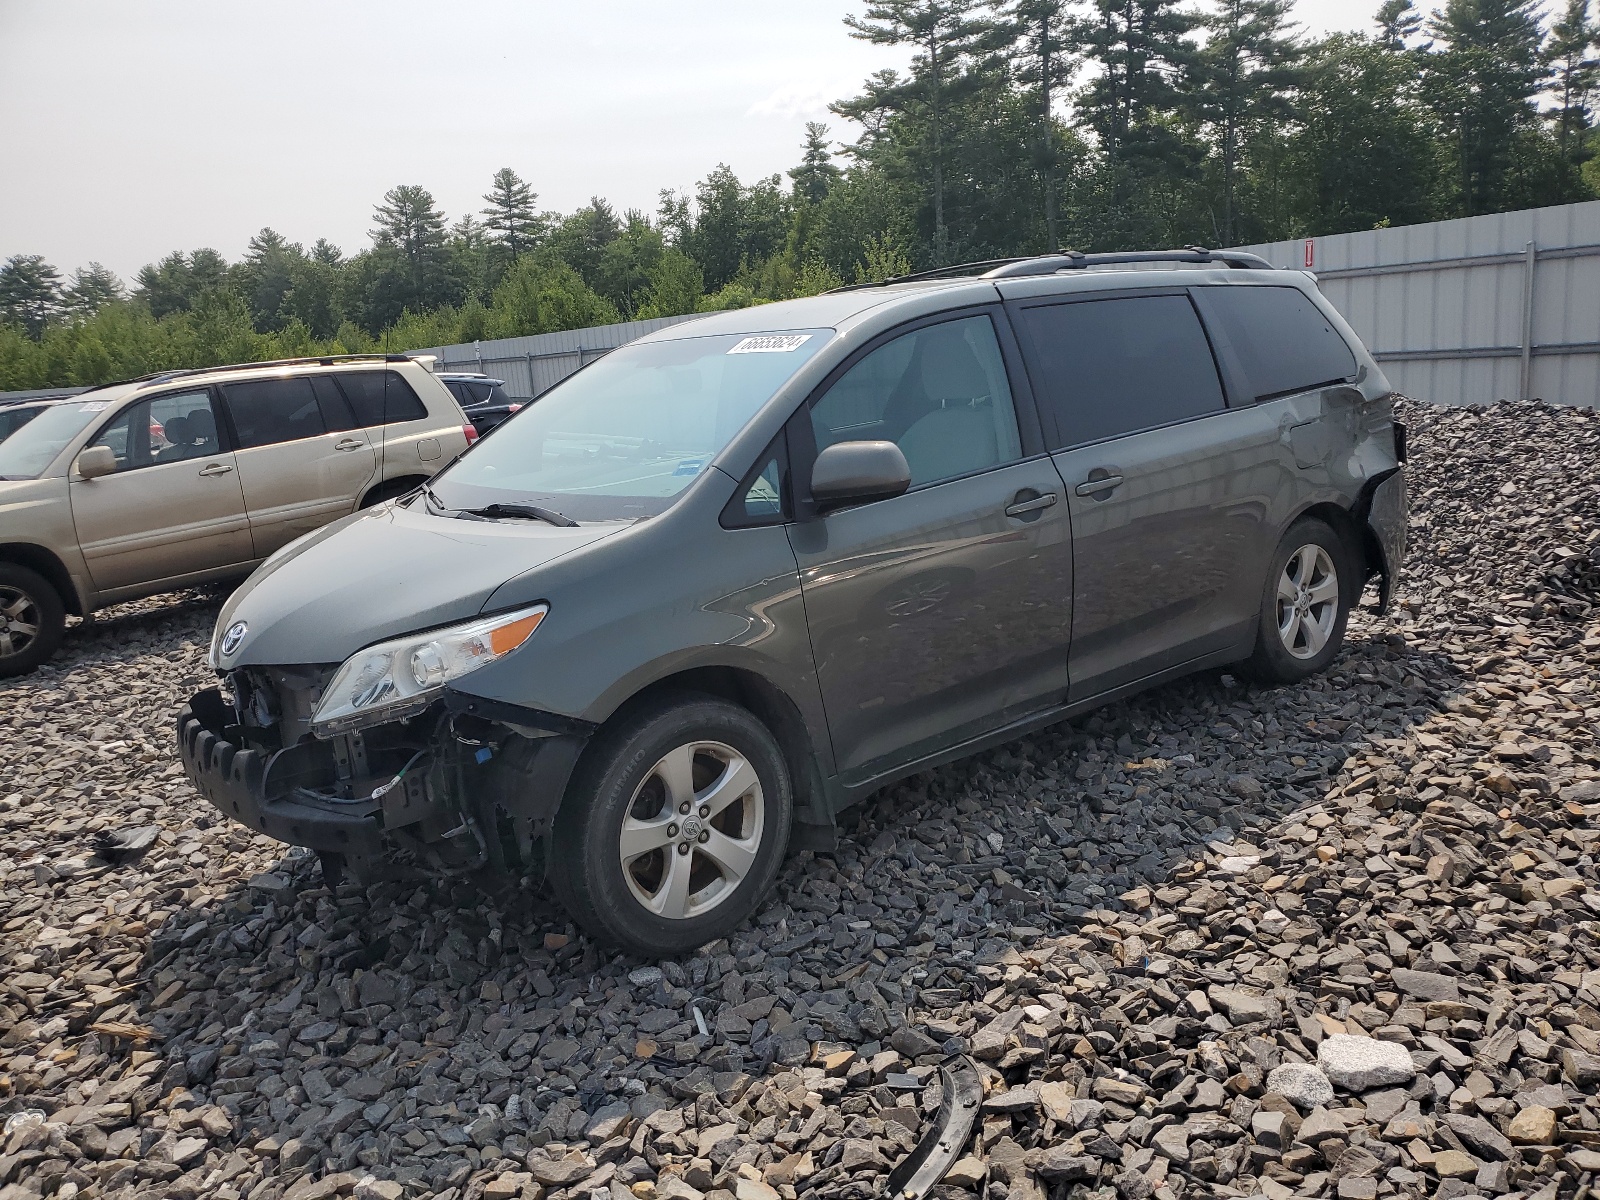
674 827
32 620
1304 605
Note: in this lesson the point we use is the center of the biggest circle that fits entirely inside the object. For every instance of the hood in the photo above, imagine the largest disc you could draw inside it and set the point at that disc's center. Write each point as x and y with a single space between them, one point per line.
382 573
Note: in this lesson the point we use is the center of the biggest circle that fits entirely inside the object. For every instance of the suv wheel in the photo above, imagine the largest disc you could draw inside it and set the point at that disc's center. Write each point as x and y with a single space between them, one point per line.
674 828
32 620
1304 606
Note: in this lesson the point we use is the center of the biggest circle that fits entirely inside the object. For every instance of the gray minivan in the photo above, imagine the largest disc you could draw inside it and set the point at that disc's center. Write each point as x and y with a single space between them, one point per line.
744 571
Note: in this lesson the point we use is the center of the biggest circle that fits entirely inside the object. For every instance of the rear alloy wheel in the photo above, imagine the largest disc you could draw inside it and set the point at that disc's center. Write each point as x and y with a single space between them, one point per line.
32 620
1305 605
674 827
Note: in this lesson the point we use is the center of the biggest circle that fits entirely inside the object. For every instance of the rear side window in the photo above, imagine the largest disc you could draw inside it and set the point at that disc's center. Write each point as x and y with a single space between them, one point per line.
1111 367
1283 342
377 404
268 411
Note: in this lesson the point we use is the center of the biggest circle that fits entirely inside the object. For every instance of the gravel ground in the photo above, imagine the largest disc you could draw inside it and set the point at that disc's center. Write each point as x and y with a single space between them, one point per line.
1330 940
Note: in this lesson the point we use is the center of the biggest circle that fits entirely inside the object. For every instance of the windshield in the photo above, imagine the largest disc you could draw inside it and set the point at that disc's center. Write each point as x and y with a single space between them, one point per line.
621 438
28 451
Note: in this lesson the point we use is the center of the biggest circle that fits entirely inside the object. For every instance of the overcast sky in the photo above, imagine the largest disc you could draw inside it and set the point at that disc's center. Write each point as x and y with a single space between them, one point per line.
135 127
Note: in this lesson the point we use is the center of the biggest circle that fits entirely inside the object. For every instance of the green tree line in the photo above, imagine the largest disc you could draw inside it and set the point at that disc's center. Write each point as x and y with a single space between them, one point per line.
1019 126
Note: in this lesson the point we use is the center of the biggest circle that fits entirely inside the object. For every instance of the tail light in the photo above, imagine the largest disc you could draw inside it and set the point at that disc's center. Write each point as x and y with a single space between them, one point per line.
516 408
470 431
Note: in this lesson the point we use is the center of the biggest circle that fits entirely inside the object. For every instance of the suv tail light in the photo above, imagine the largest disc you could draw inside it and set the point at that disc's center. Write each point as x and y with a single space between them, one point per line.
471 432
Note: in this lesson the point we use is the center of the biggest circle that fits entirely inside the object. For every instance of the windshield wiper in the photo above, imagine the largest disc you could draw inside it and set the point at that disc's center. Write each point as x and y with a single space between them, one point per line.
531 512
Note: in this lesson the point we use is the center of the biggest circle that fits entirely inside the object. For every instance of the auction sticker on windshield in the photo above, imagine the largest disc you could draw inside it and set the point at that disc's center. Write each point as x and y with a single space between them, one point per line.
770 343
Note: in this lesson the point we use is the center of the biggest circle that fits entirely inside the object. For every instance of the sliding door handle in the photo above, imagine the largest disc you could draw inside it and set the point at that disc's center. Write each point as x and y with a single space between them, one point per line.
1023 507
1094 487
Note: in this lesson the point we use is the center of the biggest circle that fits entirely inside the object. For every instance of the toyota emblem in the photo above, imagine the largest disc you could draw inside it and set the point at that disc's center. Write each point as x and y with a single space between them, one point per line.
234 635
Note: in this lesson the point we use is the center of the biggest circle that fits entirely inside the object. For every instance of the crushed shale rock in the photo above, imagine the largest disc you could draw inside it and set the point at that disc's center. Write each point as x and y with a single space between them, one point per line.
1148 927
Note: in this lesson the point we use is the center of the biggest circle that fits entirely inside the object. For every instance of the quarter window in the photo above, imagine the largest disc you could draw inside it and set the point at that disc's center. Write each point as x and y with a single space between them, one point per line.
163 429
940 393
1283 341
268 411
380 397
1110 367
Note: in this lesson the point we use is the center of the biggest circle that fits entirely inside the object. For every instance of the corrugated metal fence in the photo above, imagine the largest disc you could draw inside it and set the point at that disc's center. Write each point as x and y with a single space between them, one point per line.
1505 306
535 364
1458 312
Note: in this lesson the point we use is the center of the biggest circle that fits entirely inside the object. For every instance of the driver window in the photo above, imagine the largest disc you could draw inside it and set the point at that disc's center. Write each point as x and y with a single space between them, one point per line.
162 429
939 393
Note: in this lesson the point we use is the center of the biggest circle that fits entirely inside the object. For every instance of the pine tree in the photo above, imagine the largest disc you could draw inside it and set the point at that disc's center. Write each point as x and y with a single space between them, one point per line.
91 289
946 33
1246 72
513 223
1141 49
411 230
1483 81
1577 74
30 293
815 176
1042 35
1398 23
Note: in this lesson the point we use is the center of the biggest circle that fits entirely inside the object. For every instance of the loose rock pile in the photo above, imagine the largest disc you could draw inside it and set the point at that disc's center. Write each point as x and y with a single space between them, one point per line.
1330 940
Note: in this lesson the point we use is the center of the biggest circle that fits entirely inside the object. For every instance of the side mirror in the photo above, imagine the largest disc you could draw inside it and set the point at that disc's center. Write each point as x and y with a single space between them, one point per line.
95 461
856 472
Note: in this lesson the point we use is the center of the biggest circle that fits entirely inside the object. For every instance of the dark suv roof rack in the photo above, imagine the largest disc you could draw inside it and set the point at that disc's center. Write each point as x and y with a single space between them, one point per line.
1072 260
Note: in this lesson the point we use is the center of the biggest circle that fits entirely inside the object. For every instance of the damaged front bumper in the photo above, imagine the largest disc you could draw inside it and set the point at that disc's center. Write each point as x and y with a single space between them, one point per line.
465 785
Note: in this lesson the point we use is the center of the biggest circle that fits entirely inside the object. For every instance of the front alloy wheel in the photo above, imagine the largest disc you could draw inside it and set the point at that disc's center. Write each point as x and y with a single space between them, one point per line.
674 825
692 832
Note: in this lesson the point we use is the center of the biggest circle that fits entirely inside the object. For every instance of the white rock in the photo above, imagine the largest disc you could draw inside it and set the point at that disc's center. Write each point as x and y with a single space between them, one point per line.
1301 1084
1358 1063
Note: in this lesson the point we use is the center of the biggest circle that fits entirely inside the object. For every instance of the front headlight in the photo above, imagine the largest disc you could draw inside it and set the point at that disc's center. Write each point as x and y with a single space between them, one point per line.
394 678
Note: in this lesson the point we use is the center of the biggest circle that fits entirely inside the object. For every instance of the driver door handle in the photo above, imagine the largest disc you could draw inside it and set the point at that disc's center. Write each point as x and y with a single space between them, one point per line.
1034 505
215 469
349 444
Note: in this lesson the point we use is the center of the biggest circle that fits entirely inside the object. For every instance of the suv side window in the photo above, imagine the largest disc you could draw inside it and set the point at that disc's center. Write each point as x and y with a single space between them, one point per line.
162 429
268 411
1110 367
940 393
377 404
1282 340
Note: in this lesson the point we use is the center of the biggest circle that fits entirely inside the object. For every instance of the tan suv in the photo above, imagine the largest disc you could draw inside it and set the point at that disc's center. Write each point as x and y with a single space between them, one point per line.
189 476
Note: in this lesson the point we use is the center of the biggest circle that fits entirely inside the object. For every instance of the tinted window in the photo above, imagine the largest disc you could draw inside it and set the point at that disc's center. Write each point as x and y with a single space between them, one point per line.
336 412
940 393
377 404
1283 341
497 394
1110 367
268 411
13 419
163 429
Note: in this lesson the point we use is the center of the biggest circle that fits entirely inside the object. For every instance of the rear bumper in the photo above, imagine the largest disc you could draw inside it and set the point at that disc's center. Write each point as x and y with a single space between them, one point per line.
1387 515
233 778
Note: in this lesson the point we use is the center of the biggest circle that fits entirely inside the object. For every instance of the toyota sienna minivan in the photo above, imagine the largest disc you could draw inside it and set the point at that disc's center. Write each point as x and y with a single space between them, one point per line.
740 573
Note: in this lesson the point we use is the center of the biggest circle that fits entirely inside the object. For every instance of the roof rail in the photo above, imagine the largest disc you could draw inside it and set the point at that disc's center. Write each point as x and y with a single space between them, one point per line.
323 360
1070 260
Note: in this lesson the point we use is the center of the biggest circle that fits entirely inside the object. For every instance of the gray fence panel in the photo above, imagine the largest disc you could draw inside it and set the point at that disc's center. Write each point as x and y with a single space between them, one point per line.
535 364
1473 310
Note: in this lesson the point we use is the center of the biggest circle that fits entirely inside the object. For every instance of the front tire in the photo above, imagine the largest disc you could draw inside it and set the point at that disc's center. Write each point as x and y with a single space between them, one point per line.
32 620
1304 605
674 828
